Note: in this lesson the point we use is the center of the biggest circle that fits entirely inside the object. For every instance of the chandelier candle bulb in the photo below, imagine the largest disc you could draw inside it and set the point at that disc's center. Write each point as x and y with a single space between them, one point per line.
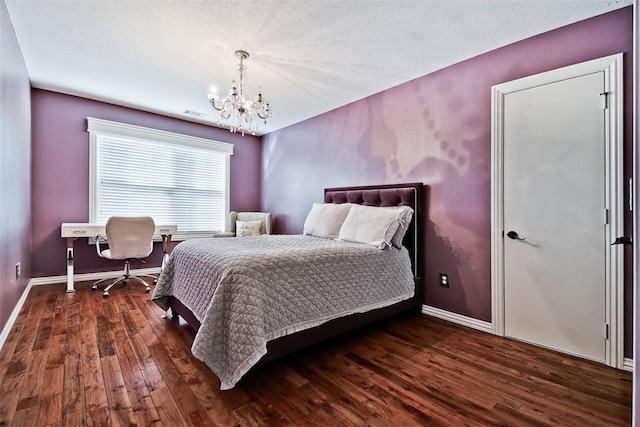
240 110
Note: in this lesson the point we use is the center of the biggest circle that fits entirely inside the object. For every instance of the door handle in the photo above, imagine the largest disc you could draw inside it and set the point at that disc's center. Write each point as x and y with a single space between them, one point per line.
623 241
514 236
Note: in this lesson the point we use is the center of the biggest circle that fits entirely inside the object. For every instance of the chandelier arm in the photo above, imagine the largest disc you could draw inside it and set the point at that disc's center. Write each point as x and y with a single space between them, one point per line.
216 106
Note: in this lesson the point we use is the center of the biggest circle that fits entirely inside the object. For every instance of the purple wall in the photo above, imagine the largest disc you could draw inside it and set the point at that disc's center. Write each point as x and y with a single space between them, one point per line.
15 169
435 129
60 177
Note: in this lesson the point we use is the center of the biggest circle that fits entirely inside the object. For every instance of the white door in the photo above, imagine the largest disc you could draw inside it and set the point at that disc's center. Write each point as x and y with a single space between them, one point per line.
554 199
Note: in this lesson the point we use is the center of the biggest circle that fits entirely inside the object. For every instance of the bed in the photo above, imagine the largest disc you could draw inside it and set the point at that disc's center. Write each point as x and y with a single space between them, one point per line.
253 299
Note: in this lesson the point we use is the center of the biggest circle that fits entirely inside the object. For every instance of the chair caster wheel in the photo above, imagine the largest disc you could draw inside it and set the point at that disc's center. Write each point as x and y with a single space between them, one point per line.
155 282
105 295
147 290
94 288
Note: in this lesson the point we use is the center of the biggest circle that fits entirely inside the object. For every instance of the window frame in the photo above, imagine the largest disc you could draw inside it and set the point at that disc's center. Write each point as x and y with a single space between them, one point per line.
97 127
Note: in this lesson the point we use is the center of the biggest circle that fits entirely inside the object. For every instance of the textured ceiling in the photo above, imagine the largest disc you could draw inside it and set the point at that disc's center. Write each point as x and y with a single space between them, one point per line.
309 56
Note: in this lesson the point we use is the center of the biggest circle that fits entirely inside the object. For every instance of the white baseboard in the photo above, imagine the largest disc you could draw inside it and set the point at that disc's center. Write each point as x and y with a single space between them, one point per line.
458 318
627 365
50 280
14 315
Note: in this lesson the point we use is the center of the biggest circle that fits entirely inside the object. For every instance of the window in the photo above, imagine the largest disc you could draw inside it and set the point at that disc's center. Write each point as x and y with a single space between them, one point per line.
176 179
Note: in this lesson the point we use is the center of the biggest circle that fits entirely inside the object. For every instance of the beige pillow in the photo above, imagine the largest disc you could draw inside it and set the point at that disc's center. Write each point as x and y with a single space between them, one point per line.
325 219
371 225
248 228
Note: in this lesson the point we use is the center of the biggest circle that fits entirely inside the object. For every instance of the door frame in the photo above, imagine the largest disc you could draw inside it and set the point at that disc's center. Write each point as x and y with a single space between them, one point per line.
614 198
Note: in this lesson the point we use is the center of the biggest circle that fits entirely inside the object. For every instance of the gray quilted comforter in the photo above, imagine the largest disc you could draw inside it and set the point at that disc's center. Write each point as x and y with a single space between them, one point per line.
247 291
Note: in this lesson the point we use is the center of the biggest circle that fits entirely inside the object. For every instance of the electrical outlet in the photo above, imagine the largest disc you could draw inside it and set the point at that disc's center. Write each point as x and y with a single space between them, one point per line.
444 280
18 270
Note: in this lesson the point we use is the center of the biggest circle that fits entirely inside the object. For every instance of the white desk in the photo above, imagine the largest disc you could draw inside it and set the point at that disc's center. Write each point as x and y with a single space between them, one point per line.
74 230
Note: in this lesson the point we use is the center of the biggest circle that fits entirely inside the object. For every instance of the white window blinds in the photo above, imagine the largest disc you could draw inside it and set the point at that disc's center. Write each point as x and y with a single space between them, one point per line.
176 179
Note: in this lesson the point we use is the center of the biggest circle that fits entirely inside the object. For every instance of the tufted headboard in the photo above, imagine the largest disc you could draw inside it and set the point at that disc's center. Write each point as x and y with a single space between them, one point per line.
389 195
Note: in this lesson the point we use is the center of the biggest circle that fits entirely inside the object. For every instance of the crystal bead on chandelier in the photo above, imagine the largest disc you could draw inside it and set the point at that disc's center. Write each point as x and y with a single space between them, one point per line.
240 110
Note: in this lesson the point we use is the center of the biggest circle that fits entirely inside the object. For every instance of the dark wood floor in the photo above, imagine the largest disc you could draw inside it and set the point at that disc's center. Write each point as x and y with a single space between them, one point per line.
78 359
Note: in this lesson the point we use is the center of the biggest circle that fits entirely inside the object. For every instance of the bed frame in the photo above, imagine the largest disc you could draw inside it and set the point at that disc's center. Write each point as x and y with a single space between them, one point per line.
410 194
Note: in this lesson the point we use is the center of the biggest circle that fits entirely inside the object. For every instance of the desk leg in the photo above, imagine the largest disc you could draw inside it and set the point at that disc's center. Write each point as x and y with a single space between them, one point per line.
70 285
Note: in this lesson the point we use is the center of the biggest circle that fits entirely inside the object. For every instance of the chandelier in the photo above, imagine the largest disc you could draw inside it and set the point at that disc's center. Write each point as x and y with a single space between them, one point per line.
240 109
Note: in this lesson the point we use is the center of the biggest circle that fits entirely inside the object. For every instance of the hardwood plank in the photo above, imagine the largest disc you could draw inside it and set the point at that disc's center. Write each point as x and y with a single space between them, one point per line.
60 315
144 411
28 406
94 388
405 419
104 337
254 414
185 399
99 417
73 401
263 392
20 358
152 376
45 329
513 417
51 406
9 348
26 416
73 395
169 413
32 386
117 396
122 417
317 406
56 351
50 302
128 323
10 391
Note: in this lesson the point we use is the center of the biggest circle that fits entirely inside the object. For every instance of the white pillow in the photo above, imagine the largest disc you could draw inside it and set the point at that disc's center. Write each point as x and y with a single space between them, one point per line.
248 228
405 220
325 219
371 225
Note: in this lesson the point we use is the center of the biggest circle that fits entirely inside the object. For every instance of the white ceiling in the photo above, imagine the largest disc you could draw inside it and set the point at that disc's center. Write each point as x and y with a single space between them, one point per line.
309 56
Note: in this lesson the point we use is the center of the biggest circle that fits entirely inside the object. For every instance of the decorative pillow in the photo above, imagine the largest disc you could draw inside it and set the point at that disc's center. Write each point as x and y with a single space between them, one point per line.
371 225
325 219
248 228
405 220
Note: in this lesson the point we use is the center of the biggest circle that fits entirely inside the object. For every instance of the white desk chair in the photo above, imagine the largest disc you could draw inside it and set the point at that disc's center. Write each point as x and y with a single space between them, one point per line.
128 238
